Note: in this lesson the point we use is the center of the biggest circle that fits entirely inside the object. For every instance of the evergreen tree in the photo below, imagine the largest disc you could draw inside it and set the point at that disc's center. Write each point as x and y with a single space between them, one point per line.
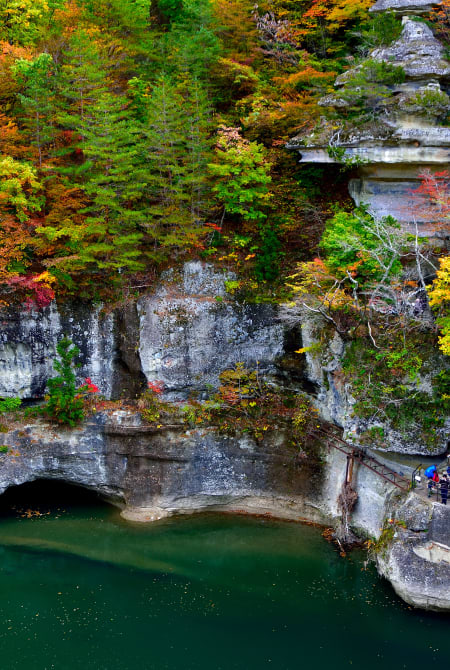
82 82
108 237
37 99
112 234
173 156
96 168
199 149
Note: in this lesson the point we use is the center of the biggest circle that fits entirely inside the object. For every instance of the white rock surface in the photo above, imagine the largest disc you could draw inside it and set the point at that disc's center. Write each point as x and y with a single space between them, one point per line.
187 336
403 6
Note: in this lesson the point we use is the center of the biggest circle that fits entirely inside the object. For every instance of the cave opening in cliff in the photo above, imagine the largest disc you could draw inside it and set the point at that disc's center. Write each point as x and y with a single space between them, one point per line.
46 496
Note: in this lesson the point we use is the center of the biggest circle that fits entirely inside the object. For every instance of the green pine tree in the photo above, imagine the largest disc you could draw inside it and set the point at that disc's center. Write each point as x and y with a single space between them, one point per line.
173 156
83 81
36 100
112 233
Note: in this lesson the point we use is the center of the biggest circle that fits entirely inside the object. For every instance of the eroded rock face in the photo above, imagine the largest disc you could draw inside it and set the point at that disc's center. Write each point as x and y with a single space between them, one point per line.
156 472
184 333
417 560
28 342
190 331
335 401
403 6
417 51
153 472
402 137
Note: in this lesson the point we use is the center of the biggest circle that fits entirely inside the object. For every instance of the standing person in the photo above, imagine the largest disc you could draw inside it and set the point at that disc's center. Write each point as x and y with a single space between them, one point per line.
433 477
444 489
430 487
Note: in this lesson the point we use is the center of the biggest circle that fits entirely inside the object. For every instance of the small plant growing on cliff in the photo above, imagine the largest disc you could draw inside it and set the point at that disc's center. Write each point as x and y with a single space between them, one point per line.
9 404
65 402
150 404
368 86
304 418
429 102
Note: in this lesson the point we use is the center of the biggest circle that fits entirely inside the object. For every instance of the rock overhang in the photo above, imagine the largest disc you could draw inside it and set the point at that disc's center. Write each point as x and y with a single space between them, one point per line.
402 7
403 135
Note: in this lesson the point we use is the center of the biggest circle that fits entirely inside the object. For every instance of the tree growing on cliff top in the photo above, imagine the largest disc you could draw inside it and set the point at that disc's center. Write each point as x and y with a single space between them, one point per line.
65 402
361 280
242 175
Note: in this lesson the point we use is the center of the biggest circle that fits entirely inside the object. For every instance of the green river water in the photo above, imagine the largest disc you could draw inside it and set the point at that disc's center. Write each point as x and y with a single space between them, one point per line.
80 588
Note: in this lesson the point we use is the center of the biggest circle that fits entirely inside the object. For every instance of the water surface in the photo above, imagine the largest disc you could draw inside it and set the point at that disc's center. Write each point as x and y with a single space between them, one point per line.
82 589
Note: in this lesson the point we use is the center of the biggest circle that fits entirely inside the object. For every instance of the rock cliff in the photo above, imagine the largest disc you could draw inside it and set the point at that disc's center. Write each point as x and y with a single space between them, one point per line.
335 397
400 132
153 472
184 333
415 555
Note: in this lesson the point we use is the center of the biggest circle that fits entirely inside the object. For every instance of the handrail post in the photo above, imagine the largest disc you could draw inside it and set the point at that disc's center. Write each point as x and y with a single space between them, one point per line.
414 474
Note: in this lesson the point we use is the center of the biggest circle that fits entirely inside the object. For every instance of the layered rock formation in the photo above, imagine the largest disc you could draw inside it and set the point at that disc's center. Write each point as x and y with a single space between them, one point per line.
400 134
413 7
153 472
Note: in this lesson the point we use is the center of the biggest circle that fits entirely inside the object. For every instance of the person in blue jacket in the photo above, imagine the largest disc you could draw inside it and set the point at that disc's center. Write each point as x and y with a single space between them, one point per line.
429 472
433 478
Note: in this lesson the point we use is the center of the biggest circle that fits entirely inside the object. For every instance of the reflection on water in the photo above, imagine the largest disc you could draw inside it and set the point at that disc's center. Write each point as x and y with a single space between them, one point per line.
83 589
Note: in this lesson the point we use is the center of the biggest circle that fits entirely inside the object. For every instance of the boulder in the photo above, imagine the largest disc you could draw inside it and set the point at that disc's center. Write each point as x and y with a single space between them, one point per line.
417 558
417 51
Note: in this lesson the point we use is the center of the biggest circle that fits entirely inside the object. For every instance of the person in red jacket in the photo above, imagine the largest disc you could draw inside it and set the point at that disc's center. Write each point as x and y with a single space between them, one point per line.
433 481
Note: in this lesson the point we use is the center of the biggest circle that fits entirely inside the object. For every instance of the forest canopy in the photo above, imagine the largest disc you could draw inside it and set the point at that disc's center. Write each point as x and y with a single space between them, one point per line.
114 158
140 133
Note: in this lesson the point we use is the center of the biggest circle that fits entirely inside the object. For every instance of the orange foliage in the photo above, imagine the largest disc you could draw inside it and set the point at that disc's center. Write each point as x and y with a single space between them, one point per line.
63 206
440 16
306 78
236 25
335 13
435 187
15 238
11 140
9 53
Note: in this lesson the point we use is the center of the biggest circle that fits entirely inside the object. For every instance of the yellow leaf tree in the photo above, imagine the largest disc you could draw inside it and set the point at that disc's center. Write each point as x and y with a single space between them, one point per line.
439 295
